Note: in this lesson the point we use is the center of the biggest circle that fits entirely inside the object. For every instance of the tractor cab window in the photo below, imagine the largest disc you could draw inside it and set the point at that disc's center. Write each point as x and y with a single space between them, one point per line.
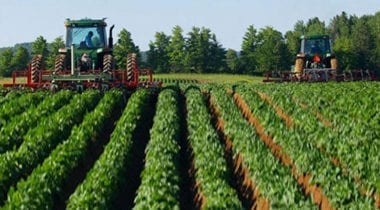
317 46
85 37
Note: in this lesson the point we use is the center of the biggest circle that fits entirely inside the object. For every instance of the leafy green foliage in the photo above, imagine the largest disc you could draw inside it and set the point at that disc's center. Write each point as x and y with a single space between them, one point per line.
42 139
299 144
211 170
273 180
160 179
16 106
12 133
47 180
123 46
103 181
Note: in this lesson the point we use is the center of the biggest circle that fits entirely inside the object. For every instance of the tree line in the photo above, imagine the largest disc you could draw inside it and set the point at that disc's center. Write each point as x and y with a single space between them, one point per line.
356 42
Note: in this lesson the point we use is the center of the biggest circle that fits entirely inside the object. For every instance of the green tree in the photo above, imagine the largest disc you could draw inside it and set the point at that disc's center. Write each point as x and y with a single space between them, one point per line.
315 26
20 59
40 47
374 25
249 46
363 43
233 62
344 50
271 52
158 57
54 47
6 62
194 52
176 50
124 46
216 62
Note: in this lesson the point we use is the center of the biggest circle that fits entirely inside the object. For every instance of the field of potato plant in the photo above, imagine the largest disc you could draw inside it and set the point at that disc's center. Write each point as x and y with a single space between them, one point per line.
192 146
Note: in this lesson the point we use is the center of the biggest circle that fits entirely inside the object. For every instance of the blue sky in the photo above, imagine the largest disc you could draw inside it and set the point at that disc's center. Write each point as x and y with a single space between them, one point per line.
25 20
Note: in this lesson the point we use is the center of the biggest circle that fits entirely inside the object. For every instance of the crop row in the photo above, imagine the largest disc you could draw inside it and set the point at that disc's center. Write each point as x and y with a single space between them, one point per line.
353 112
46 182
160 178
11 134
11 108
102 183
273 181
42 139
212 175
308 159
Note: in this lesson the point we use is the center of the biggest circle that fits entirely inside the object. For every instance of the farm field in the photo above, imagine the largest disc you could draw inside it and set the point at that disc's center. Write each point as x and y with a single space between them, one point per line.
184 78
193 145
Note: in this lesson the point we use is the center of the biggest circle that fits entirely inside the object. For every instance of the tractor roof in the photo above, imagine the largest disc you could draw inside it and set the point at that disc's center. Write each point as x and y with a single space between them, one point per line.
315 36
85 22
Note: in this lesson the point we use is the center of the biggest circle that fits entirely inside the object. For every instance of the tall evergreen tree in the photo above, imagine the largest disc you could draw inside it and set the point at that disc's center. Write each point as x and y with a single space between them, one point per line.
6 62
20 59
249 46
40 47
176 50
158 57
233 62
194 53
124 46
363 43
216 56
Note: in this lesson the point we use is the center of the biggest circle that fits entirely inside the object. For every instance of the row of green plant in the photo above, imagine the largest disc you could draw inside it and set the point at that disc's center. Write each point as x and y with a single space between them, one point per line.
17 105
103 181
11 134
46 182
8 95
354 131
42 139
308 159
160 178
273 180
212 174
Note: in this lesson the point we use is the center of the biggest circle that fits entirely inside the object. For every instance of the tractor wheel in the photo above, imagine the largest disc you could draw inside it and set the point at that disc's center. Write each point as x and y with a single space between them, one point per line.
107 63
131 65
334 63
298 68
36 68
59 63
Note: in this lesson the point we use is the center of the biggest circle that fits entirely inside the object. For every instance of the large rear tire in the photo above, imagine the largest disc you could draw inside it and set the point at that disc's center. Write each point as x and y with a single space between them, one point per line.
298 68
59 63
107 63
36 68
131 65
334 63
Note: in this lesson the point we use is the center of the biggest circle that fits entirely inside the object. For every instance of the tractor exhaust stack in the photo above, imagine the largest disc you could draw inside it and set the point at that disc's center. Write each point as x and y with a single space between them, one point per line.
110 39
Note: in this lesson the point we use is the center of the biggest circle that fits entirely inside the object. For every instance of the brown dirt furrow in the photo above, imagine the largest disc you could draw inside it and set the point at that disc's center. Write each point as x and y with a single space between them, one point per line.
280 112
247 190
302 179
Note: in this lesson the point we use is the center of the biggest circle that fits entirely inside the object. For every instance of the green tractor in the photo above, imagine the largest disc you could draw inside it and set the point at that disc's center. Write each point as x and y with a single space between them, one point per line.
316 60
86 61
91 51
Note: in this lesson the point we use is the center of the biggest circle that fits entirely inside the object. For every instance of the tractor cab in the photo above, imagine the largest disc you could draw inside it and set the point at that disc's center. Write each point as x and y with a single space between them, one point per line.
313 45
86 46
316 50
86 33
